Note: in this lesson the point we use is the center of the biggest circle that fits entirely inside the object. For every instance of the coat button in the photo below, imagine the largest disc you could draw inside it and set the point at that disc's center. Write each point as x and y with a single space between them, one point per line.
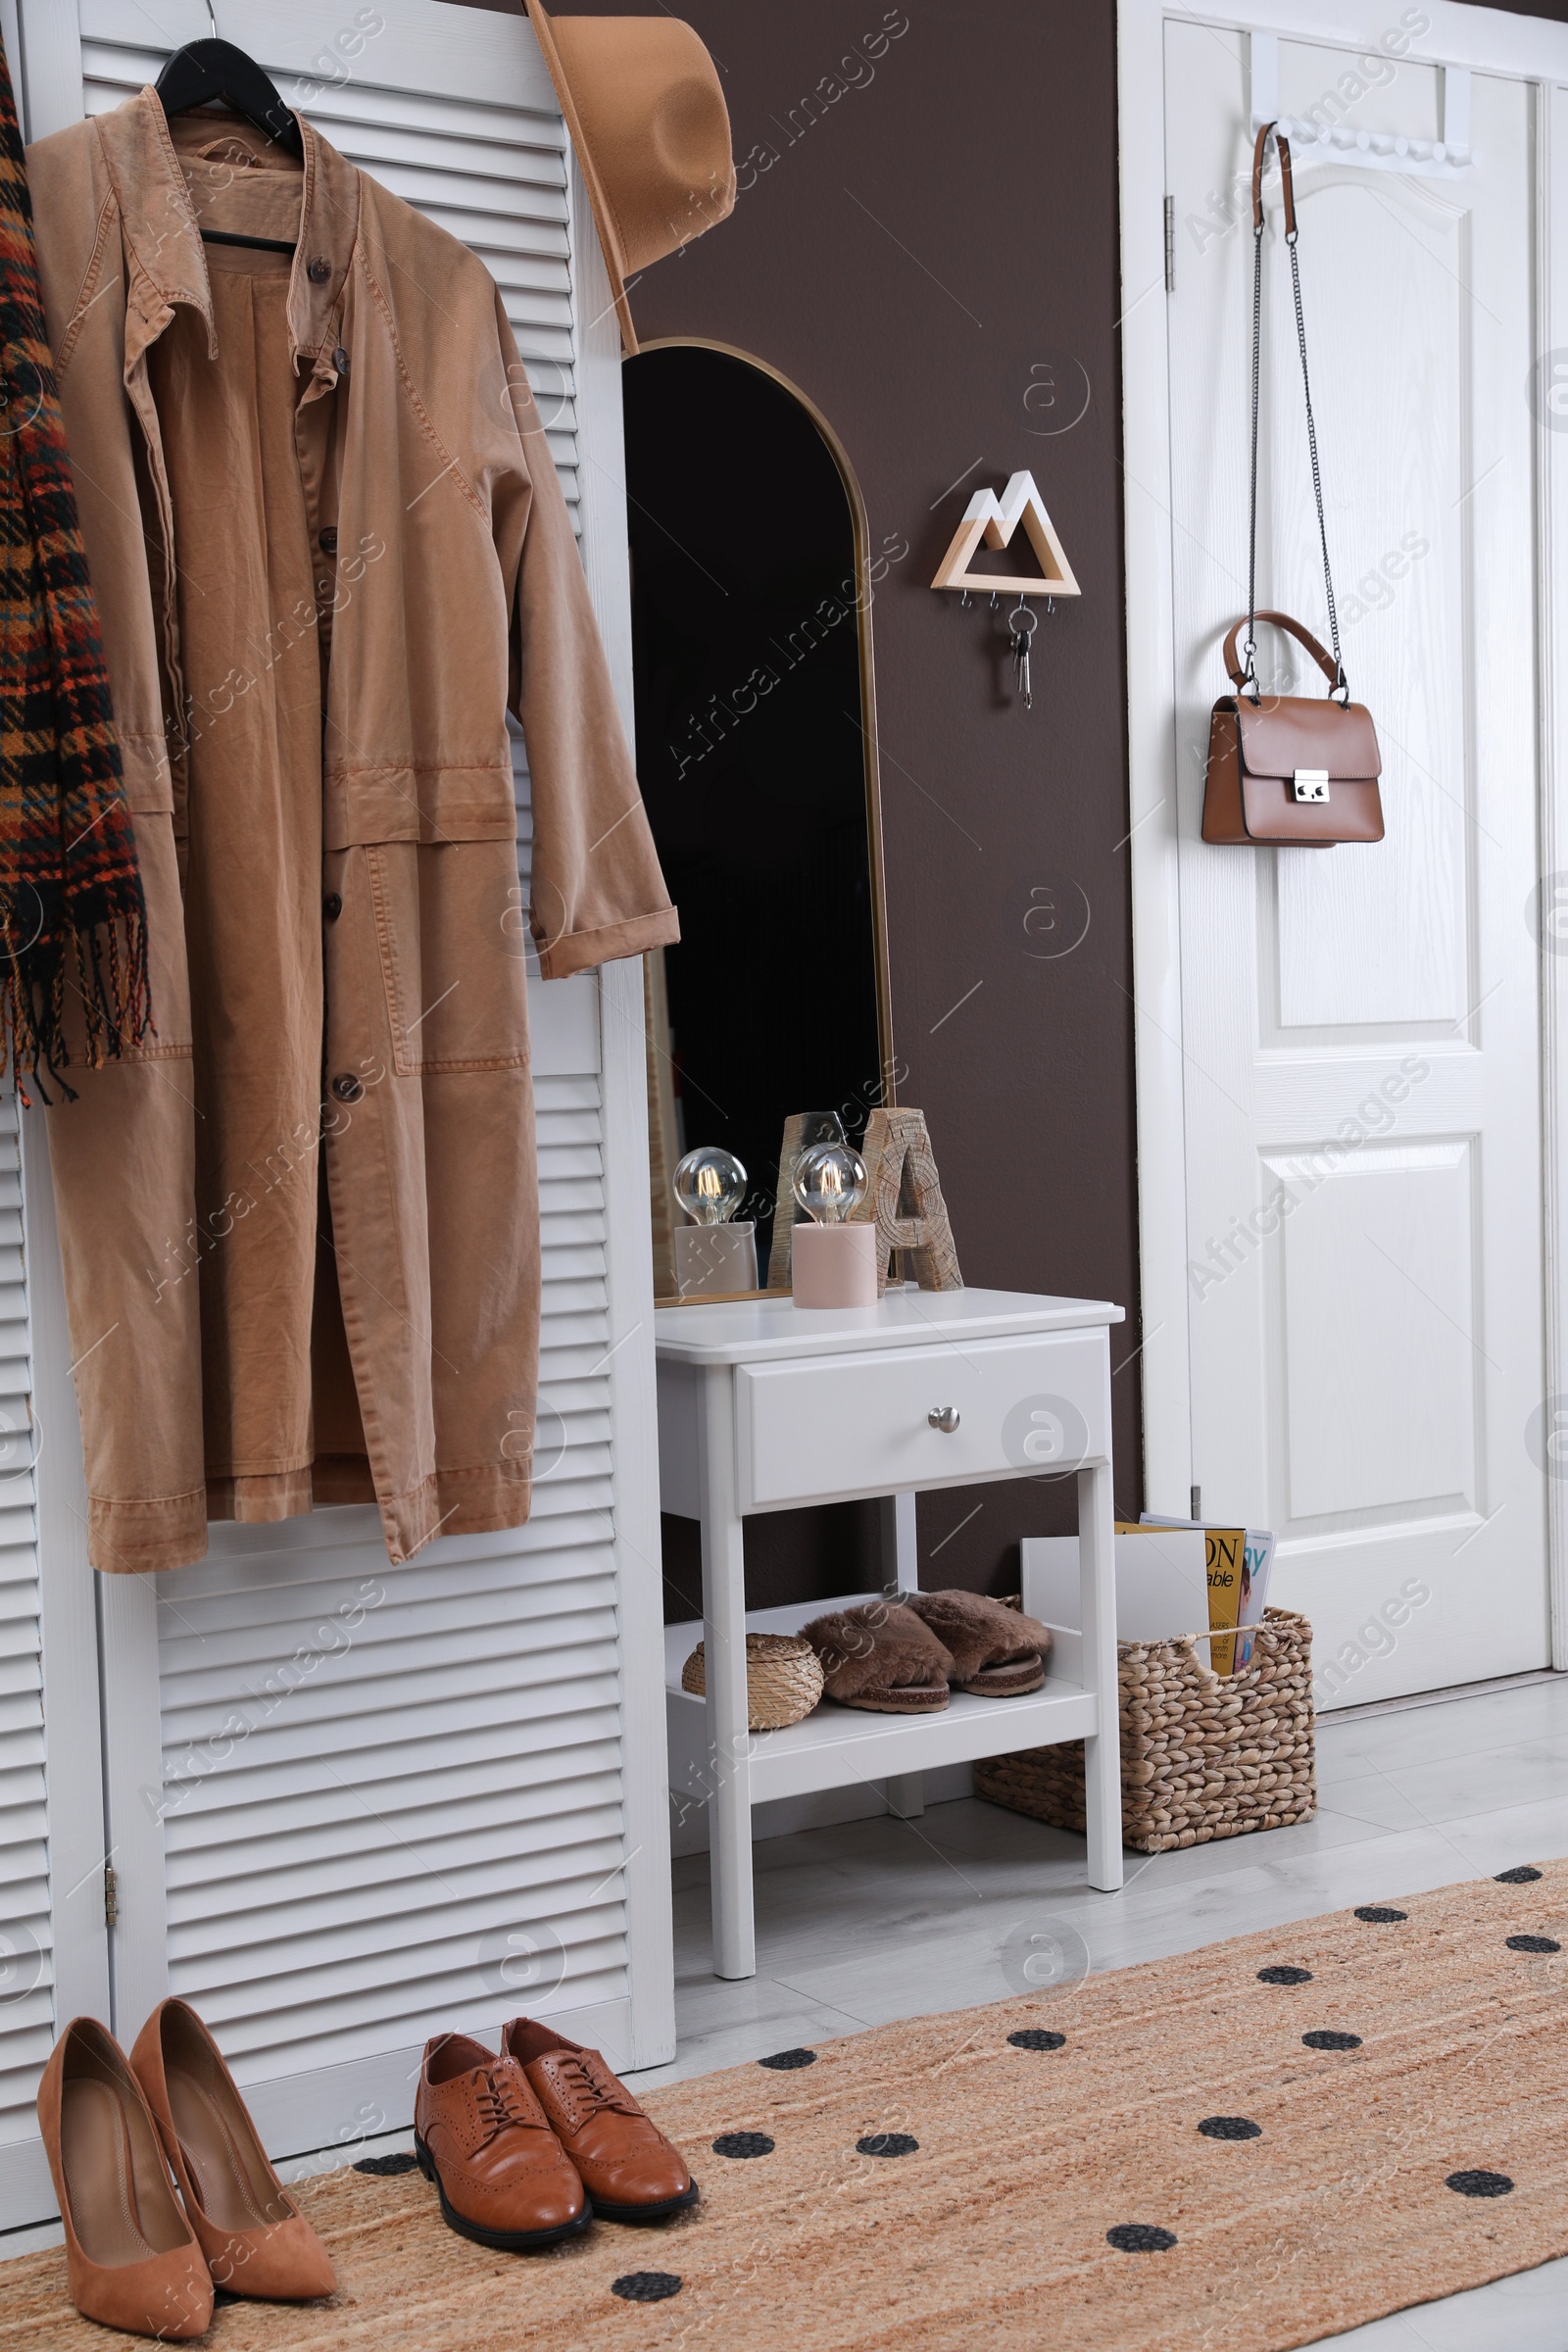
340 361
347 1088
319 271
332 905
328 539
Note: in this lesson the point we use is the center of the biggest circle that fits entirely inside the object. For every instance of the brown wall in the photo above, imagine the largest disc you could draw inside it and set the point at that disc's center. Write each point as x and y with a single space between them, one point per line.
938 240
925 260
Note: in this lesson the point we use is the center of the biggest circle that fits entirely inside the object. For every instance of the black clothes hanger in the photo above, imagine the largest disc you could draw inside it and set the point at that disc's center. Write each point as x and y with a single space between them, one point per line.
207 70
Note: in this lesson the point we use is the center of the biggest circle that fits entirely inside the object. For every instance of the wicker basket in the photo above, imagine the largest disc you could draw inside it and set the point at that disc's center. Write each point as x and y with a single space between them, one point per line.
1203 1755
783 1679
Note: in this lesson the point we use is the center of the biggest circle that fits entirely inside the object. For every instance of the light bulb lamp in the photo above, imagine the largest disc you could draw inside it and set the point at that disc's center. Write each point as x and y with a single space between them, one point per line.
833 1259
716 1255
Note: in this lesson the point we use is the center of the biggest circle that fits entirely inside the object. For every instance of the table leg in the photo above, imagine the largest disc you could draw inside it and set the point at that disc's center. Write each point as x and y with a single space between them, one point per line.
729 1739
901 1573
1097 1592
900 1560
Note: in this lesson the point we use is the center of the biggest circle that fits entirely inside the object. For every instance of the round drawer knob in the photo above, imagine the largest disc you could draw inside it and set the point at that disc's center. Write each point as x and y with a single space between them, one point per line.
943 1417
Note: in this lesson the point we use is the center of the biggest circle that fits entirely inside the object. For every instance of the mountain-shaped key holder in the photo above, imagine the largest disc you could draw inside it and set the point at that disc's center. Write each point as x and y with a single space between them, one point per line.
994 520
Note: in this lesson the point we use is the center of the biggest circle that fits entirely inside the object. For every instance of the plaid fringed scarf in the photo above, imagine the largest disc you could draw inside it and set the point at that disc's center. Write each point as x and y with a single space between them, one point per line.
72 912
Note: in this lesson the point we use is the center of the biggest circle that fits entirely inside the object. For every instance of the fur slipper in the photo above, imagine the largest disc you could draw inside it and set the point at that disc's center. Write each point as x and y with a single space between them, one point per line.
881 1657
997 1652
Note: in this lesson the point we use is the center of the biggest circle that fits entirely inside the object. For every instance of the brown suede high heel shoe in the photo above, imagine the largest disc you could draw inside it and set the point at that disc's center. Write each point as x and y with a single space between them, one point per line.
254 2241
130 2254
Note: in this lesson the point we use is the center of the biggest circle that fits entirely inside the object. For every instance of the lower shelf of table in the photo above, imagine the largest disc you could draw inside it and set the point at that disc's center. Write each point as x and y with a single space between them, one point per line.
842 1747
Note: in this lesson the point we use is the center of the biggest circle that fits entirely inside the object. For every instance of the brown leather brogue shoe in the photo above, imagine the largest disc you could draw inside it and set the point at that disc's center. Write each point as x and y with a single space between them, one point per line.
481 2135
255 2240
628 2166
130 2257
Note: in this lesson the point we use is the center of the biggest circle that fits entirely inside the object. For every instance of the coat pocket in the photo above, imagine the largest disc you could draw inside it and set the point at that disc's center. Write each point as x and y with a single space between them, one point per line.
451 931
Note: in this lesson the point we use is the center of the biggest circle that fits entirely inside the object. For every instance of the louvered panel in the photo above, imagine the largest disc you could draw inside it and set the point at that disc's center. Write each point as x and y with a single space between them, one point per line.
373 1775
491 1753
357 2009
464 1651
26 1977
519 1791
495 177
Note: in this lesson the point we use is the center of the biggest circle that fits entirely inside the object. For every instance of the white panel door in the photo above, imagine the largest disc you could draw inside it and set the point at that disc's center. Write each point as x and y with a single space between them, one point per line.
1360 1027
350 1804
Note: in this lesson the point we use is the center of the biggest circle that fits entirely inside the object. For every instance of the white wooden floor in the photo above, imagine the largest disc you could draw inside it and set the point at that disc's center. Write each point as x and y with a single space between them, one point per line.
881 1919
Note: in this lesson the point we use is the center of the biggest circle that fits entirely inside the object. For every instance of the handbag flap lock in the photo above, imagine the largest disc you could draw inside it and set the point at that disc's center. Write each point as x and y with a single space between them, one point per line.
1285 733
1310 783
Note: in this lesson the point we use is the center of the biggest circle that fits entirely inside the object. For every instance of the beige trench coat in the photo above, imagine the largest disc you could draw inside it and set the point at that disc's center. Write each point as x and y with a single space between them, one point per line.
300 1226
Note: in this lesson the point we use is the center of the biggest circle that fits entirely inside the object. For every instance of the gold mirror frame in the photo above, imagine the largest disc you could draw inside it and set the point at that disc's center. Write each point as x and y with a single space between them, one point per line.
862 532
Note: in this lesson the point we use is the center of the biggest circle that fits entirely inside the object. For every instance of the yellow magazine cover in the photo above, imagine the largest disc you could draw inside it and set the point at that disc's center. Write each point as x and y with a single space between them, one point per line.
1229 1583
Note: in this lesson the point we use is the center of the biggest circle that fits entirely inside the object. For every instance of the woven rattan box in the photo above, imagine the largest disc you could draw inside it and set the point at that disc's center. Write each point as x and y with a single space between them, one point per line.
1203 1755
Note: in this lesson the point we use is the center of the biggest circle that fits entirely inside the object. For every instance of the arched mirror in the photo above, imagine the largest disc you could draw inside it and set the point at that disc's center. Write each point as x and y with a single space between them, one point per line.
751 594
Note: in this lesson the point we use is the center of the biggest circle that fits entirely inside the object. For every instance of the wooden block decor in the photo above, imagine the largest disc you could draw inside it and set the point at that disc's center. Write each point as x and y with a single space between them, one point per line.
994 520
802 1129
903 1194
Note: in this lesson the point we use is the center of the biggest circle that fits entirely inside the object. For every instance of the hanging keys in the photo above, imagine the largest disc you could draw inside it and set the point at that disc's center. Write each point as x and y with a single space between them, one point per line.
1022 623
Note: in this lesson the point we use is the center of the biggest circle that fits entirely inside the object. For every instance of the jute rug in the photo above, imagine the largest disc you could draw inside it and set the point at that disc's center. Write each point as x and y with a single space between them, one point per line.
1240 2150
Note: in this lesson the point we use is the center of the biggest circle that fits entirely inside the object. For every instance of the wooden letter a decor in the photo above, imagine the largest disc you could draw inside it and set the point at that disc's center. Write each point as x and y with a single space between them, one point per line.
903 1194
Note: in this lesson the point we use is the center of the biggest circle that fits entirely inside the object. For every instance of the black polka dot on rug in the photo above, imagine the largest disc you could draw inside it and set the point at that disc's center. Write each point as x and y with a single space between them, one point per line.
1523 1876
1230 2127
787 2060
886 2143
646 2286
1140 2237
1480 2185
1285 1975
1324 2037
1533 1944
1036 2037
384 2167
1380 1915
743 2143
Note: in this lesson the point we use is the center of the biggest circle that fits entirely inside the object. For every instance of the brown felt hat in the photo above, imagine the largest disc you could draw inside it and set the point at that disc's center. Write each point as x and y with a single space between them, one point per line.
647 117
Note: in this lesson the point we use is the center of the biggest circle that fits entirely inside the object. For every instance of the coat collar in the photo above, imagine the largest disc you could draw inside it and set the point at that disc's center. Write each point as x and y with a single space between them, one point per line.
164 260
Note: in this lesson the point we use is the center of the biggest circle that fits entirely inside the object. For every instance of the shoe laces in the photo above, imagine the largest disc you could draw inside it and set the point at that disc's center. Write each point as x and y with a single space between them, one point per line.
507 2100
593 2083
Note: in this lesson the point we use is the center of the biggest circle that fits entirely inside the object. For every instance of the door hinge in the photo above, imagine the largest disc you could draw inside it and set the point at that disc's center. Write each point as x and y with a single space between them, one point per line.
1171 244
111 1896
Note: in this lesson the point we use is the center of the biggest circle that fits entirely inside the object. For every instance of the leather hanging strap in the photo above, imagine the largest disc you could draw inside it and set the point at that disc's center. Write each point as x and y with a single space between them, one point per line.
1259 146
1279 620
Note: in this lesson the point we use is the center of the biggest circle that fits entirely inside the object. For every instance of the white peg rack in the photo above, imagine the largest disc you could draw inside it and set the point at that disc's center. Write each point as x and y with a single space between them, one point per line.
1447 158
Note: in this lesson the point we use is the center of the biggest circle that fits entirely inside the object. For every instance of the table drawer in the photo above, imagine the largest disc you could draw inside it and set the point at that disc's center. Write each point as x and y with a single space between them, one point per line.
838 1426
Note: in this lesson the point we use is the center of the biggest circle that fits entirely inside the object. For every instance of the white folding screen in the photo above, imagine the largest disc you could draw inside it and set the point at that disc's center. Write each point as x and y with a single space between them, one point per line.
26 1927
347 1803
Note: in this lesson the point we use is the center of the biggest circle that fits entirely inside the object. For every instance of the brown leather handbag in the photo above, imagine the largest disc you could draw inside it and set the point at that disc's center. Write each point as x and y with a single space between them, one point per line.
1285 771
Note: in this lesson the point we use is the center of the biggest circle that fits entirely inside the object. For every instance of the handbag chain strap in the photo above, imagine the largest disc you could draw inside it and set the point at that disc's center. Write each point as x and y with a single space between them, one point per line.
1341 686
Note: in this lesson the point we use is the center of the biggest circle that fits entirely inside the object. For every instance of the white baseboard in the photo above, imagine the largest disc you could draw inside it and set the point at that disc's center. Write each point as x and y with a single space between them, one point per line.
782 1816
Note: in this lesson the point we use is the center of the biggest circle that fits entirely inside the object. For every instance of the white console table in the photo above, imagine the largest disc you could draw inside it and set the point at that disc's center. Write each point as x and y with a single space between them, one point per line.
764 1406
